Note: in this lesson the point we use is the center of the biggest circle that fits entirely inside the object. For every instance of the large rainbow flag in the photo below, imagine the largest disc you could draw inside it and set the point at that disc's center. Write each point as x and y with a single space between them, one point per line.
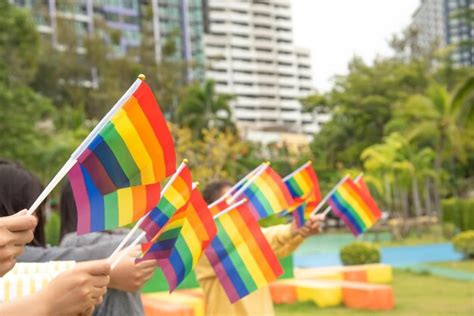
266 194
182 241
240 255
176 196
355 207
123 164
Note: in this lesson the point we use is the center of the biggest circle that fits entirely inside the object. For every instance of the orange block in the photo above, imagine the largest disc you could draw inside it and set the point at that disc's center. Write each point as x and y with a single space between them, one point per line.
154 307
197 292
283 293
367 296
355 275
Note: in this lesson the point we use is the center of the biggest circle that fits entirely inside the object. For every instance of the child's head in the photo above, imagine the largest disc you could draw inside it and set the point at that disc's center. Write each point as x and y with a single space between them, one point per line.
18 190
67 211
214 190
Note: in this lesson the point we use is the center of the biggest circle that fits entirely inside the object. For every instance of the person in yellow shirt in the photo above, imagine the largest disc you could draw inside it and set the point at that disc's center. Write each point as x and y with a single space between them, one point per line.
283 239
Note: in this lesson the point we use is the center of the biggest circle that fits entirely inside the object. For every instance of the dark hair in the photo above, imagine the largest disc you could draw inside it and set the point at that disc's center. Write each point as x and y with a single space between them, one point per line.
18 190
214 189
67 211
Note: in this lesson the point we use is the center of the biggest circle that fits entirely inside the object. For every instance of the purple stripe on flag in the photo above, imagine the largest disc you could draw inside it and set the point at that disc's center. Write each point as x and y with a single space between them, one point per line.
344 218
81 198
169 273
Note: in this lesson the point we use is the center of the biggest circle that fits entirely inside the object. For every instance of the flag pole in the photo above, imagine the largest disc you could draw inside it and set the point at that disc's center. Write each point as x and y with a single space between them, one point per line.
241 181
328 209
140 221
297 170
86 142
230 208
249 182
323 201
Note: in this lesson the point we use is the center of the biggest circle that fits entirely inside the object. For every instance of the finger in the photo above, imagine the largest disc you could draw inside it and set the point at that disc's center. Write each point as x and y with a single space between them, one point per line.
17 250
100 281
23 237
96 267
19 223
147 264
98 292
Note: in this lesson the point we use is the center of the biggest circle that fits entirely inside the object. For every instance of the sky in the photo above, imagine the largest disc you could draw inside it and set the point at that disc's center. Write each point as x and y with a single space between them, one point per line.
336 30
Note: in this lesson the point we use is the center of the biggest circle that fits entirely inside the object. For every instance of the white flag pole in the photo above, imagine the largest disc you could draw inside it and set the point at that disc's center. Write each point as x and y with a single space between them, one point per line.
86 142
249 182
140 221
323 201
241 181
297 170
328 209
230 208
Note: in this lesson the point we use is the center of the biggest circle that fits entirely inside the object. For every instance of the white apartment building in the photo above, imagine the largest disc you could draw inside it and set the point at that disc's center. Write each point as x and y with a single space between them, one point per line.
429 20
250 54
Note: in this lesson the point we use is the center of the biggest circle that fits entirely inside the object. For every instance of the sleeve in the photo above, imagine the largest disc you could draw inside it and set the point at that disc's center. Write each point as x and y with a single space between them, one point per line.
282 241
91 252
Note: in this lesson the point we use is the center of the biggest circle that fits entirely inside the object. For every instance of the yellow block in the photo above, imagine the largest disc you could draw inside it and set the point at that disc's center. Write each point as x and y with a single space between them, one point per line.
379 273
330 274
322 293
196 303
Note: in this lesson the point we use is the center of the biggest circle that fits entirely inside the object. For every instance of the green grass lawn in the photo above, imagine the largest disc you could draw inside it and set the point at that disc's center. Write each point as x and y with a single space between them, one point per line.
465 265
415 295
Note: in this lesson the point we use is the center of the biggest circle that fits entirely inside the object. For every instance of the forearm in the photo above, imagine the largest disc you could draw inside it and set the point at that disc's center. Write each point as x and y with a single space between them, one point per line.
283 239
28 305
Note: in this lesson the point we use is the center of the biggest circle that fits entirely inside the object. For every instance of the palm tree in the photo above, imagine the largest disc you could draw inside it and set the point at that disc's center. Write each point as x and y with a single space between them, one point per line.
203 109
442 118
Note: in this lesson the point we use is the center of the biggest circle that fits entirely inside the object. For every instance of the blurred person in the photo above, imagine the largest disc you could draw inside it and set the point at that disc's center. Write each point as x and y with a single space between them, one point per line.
283 239
18 190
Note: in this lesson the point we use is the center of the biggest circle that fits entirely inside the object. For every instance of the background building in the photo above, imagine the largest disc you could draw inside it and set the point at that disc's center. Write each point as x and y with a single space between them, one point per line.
440 22
250 54
182 21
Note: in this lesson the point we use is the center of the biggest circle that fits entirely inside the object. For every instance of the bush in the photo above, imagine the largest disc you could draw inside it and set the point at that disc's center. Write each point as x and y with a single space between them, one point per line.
450 230
459 212
360 252
464 243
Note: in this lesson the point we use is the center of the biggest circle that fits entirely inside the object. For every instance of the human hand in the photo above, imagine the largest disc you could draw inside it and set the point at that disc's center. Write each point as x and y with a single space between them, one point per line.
129 276
77 291
311 227
15 232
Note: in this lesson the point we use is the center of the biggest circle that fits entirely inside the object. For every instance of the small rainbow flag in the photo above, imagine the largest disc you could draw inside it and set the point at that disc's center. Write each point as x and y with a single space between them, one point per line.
175 197
134 148
240 255
355 207
181 243
267 194
303 185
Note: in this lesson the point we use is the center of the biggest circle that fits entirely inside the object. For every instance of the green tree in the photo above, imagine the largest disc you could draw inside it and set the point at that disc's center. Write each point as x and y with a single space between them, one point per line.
19 42
202 109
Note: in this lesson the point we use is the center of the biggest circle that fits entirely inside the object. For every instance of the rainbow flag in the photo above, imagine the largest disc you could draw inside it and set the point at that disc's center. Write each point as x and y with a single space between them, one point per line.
355 207
267 194
175 197
134 148
116 178
304 186
240 255
182 241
